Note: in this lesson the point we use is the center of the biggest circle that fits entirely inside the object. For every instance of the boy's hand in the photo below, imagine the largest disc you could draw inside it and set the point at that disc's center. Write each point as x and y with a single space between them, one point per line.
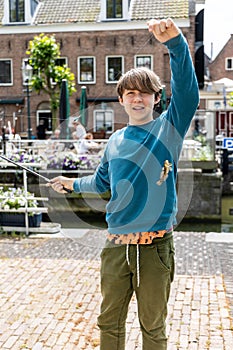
164 29
61 184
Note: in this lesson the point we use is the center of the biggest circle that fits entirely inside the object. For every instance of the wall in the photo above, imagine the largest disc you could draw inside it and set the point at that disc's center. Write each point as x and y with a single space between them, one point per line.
199 195
217 67
97 43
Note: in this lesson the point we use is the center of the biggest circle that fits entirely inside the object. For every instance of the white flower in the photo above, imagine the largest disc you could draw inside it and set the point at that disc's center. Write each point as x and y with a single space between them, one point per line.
14 198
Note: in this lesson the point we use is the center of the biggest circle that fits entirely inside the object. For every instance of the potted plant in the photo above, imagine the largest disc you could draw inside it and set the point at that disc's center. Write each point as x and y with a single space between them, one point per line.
71 161
12 199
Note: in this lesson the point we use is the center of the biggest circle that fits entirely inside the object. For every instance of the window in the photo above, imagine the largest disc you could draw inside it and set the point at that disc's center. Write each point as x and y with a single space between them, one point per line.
115 10
103 120
62 61
19 11
86 70
231 124
222 122
143 61
34 4
229 63
114 68
6 72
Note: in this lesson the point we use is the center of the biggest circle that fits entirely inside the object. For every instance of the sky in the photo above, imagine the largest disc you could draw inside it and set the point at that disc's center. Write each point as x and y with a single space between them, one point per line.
218 24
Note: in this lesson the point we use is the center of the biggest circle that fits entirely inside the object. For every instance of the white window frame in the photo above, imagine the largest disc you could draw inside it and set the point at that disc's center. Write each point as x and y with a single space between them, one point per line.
125 11
27 13
106 68
11 72
103 110
226 61
80 81
141 56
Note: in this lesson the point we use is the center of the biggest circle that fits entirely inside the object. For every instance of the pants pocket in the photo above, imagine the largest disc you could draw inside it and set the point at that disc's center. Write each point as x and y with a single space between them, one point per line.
164 255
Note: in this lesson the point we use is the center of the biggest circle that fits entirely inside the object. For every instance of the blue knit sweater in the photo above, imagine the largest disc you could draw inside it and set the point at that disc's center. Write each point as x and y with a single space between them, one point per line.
135 155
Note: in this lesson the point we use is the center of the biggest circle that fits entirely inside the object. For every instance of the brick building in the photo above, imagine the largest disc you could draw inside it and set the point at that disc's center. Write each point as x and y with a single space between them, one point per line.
216 95
222 65
99 40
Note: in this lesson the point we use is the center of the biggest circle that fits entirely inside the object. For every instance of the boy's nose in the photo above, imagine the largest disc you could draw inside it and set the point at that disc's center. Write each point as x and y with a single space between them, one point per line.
138 97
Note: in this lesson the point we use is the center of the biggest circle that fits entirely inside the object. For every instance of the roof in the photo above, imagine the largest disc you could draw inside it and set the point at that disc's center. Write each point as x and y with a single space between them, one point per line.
144 9
1 9
63 11
66 11
79 11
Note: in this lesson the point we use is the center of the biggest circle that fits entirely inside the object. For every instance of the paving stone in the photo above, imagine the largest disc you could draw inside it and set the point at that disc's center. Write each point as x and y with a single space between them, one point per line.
50 294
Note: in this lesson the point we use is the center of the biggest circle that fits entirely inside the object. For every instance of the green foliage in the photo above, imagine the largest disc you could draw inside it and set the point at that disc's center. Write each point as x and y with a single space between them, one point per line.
43 51
47 76
203 154
230 101
14 198
200 138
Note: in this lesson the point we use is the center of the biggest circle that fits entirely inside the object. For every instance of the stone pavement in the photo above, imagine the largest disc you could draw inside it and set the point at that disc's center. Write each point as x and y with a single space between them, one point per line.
50 293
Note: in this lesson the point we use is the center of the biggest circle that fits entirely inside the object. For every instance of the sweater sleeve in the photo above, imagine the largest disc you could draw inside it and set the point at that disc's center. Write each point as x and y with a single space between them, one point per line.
184 86
96 183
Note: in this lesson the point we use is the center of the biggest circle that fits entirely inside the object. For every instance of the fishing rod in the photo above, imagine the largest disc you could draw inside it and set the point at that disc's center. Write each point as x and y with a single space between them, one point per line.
31 171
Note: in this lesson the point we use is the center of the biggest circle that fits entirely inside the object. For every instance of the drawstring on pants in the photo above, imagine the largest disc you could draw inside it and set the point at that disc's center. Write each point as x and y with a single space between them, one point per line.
138 261
127 253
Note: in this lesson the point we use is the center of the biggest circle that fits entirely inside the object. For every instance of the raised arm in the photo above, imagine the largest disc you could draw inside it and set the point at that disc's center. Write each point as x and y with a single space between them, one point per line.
184 87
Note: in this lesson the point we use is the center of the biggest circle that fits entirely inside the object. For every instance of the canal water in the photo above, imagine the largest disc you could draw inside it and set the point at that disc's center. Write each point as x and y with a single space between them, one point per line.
223 225
97 220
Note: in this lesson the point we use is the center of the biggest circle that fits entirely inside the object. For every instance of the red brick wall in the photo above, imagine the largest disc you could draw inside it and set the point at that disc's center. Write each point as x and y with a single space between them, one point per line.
98 44
217 67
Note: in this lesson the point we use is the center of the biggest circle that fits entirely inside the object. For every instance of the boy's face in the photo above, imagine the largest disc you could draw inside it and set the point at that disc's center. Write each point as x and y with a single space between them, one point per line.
138 105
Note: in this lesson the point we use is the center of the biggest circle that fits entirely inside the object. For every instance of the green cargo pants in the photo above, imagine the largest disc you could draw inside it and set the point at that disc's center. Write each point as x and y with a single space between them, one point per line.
122 269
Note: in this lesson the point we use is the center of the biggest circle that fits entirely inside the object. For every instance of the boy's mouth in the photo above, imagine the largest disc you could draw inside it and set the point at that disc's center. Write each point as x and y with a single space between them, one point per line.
138 108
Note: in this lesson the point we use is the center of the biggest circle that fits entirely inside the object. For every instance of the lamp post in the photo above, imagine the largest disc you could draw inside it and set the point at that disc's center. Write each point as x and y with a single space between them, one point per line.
27 72
2 118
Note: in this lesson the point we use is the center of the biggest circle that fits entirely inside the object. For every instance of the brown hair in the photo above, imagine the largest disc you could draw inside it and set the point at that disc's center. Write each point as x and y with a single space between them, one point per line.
141 79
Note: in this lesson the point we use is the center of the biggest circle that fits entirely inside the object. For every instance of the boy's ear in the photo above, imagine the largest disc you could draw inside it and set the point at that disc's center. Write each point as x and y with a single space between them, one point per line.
157 100
120 99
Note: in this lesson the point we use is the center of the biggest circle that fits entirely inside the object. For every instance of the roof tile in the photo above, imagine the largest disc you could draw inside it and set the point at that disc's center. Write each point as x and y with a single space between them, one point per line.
160 9
1 9
65 11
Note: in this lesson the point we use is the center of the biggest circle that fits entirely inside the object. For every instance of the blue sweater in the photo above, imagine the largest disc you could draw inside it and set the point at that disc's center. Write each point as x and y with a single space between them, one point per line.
135 155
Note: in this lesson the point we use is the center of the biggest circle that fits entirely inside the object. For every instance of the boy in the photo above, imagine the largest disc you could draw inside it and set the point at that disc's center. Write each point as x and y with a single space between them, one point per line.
139 167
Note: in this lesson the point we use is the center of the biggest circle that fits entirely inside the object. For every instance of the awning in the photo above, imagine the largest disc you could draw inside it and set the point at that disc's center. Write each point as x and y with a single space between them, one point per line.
12 101
224 81
100 99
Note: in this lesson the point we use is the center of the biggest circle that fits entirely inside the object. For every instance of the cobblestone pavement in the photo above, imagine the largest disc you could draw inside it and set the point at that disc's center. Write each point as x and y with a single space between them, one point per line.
50 294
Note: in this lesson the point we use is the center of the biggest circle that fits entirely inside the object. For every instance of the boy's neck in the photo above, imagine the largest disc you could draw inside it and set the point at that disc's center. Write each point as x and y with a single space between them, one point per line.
139 122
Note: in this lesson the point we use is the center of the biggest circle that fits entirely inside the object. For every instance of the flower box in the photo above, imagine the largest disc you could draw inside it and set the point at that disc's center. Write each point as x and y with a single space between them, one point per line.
18 219
15 198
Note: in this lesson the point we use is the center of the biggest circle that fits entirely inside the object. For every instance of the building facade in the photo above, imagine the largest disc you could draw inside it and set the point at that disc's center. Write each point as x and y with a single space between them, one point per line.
215 96
99 40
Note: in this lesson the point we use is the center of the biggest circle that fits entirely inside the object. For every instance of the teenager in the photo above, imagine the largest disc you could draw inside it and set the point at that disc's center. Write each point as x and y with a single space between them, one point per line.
139 167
